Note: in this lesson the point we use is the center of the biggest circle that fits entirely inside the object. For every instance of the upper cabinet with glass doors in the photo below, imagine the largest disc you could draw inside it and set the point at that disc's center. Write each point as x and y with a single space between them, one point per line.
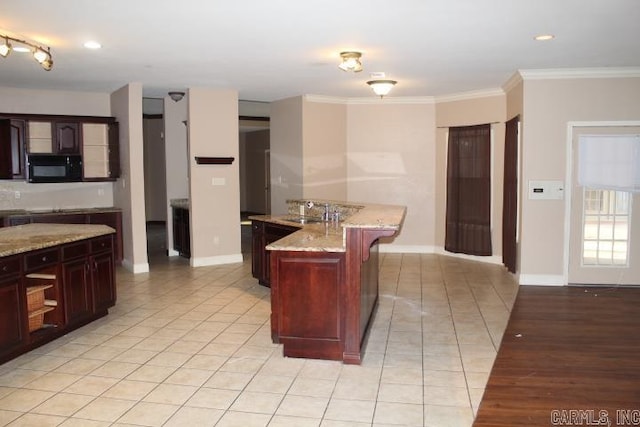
94 138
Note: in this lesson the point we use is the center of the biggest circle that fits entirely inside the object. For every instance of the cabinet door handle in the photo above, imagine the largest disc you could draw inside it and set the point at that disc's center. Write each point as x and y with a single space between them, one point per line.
44 258
4 268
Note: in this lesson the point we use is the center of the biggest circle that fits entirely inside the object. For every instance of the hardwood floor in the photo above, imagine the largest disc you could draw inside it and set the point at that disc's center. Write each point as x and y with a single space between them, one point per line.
568 354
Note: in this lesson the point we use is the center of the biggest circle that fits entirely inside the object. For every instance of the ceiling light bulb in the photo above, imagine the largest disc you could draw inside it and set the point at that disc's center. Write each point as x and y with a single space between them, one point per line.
5 48
544 37
92 44
350 61
47 64
382 87
21 49
40 55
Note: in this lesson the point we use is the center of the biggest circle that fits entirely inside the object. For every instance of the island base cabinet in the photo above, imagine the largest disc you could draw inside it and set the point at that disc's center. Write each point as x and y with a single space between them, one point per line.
12 309
306 309
47 293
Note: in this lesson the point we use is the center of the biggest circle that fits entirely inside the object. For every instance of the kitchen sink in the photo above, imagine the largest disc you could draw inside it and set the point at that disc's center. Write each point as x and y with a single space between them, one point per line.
304 220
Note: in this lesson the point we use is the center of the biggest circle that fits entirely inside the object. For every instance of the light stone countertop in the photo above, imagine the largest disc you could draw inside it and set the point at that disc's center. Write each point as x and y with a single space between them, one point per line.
331 236
29 237
179 203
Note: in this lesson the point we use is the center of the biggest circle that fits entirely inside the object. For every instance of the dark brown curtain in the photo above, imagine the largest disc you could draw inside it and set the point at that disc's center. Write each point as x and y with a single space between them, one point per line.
510 195
468 222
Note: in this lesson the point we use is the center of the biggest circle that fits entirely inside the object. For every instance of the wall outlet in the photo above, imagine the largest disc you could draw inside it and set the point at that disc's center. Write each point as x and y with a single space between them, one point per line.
216 240
218 181
17 195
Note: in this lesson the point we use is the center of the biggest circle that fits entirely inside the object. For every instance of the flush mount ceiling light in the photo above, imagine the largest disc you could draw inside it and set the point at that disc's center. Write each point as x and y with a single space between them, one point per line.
544 37
176 96
382 87
40 53
351 61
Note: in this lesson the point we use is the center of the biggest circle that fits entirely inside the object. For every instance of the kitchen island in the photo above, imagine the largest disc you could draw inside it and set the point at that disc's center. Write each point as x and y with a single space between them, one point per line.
53 278
324 277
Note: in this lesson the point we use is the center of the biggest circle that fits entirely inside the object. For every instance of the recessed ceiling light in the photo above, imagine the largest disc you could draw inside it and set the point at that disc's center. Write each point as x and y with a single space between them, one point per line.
91 44
544 37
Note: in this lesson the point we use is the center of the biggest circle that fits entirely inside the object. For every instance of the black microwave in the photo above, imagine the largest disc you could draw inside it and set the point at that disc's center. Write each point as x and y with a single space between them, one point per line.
54 167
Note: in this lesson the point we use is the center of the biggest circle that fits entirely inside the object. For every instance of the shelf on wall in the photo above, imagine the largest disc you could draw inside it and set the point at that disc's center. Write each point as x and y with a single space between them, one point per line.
214 160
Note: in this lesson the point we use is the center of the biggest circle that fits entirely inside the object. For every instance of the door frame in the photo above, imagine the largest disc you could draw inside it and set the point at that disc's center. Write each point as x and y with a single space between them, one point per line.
568 184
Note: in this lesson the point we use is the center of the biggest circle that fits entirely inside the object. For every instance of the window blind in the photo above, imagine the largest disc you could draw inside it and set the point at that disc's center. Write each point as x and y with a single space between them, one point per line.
609 162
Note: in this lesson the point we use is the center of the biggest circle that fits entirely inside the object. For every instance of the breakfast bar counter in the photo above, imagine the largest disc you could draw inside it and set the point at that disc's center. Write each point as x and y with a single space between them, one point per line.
324 276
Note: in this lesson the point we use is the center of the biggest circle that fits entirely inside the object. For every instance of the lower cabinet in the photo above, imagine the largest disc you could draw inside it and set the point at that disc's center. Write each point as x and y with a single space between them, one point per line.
262 234
87 275
49 292
12 305
181 230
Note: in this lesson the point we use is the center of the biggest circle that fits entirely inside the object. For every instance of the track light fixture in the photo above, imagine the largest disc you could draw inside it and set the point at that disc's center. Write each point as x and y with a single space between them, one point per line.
350 61
39 52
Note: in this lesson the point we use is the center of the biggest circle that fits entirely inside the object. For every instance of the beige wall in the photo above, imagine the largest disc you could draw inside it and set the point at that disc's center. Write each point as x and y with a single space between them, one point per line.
549 106
126 106
177 164
286 153
391 160
215 209
254 146
154 170
486 109
22 195
324 147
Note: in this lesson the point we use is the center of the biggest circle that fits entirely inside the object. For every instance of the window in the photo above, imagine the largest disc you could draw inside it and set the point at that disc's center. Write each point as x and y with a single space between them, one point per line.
607 215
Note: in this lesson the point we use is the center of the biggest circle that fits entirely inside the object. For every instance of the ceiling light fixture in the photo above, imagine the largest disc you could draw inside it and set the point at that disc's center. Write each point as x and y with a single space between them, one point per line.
382 87
351 61
92 44
544 37
40 53
176 96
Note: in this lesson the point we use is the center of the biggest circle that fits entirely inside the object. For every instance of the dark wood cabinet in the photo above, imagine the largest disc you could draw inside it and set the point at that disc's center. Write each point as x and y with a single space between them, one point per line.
101 266
181 230
77 290
12 151
21 134
262 234
49 292
12 305
67 137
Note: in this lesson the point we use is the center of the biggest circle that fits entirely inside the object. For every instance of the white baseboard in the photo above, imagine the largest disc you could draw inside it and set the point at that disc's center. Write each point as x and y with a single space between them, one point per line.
215 260
407 249
541 280
135 268
172 252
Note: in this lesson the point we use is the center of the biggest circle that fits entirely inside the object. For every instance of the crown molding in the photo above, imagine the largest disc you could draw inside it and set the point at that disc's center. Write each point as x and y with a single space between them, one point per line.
579 73
373 100
513 81
474 94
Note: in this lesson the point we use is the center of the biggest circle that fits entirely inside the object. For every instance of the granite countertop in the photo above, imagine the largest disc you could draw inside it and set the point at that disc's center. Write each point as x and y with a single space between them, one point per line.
29 237
179 203
331 236
22 212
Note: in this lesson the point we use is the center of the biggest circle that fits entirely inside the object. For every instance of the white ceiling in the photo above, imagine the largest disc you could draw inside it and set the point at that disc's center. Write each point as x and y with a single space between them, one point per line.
269 50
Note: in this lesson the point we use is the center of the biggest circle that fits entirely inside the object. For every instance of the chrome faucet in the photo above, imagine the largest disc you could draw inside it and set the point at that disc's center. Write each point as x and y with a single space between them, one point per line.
326 216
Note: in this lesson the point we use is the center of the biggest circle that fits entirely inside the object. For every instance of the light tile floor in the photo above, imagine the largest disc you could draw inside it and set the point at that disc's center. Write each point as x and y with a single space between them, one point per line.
191 347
